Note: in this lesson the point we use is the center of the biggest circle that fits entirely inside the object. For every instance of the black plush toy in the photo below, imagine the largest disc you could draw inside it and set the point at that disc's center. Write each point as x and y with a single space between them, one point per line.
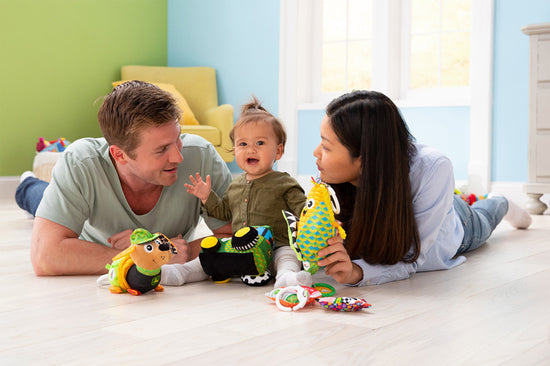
247 254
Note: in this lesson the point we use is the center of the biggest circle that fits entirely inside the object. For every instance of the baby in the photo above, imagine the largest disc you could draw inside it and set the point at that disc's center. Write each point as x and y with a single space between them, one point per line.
255 198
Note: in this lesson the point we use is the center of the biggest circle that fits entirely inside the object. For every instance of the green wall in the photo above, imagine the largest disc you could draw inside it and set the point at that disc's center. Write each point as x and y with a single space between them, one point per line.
58 57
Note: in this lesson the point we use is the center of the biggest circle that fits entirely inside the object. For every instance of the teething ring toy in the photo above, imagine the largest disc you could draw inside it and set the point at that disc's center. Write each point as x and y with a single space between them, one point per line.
301 293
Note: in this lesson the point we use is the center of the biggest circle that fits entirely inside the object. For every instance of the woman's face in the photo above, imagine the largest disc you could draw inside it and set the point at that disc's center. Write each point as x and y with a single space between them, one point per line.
334 160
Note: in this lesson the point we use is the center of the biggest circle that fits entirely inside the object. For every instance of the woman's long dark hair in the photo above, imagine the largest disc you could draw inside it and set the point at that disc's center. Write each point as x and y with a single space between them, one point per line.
377 214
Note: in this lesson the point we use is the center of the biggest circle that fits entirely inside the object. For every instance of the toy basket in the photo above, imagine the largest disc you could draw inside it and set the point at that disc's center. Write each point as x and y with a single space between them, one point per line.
43 164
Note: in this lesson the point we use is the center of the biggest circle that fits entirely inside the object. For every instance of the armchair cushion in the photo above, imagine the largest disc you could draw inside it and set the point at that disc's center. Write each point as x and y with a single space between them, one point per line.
188 118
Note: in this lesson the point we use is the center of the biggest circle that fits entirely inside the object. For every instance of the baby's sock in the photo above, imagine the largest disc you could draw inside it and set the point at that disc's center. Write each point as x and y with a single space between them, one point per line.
178 274
288 269
291 278
516 216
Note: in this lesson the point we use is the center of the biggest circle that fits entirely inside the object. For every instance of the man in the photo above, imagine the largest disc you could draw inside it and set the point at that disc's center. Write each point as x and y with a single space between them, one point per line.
102 189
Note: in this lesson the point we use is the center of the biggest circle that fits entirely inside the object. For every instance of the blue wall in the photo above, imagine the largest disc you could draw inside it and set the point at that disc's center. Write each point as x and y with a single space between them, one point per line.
511 86
240 38
445 129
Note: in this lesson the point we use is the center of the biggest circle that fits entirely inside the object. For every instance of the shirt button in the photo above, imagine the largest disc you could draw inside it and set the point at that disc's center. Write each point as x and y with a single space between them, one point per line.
244 223
246 199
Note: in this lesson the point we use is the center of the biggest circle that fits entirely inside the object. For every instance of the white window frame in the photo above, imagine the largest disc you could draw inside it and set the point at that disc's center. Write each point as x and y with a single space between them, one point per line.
298 21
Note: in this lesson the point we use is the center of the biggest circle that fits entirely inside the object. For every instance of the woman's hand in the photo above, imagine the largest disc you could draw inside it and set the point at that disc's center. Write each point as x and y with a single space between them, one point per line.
338 263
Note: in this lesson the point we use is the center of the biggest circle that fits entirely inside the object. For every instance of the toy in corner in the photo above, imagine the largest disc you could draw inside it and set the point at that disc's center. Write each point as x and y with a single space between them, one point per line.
136 270
247 254
58 145
315 226
471 198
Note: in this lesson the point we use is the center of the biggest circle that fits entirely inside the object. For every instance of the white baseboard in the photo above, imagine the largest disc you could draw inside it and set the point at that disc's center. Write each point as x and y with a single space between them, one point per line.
8 185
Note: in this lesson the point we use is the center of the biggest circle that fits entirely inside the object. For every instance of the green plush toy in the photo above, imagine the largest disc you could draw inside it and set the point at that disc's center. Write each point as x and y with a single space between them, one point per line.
136 270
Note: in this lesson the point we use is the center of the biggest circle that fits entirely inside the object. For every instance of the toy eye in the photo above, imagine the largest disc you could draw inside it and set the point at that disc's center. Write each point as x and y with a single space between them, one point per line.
148 248
310 203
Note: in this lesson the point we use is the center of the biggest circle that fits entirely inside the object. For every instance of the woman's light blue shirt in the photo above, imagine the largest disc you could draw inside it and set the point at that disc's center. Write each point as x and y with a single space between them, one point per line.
439 227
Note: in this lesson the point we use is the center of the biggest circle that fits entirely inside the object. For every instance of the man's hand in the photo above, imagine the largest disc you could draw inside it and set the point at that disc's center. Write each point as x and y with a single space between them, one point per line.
199 188
182 248
121 240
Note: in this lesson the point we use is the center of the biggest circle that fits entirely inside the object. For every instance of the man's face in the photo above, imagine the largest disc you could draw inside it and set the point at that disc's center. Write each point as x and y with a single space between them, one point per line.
156 158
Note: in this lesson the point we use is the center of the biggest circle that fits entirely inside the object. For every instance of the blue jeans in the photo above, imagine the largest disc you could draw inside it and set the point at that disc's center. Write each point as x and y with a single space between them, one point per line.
29 194
479 220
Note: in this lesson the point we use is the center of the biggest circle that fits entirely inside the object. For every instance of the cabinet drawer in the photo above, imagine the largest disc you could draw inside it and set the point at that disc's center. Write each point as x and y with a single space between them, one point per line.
543 62
542 118
542 156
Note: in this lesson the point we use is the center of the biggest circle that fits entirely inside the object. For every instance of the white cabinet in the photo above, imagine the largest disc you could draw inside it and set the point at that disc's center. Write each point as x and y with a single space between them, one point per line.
539 116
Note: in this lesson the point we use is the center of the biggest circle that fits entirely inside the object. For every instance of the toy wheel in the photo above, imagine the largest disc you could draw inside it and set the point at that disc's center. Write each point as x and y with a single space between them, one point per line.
244 238
259 280
210 244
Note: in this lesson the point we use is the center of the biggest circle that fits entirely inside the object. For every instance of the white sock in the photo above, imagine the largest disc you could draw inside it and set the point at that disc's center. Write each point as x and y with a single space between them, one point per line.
516 216
26 175
288 269
178 274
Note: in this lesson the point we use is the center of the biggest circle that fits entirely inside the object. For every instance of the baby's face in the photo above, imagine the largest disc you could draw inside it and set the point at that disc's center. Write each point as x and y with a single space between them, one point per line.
256 148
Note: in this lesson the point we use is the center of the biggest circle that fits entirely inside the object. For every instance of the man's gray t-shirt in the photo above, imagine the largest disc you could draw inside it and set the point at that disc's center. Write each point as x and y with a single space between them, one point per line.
85 194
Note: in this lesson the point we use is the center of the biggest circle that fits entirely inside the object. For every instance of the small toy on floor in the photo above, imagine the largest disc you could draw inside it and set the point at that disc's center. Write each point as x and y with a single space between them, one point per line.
247 254
470 198
316 224
137 269
293 298
58 145
343 303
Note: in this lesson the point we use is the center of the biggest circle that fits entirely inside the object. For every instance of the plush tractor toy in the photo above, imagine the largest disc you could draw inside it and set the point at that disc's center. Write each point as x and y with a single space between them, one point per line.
309 233
136 270
247 254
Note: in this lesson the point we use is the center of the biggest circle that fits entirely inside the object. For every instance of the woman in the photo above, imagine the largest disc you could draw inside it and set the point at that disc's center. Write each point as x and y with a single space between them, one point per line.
397 197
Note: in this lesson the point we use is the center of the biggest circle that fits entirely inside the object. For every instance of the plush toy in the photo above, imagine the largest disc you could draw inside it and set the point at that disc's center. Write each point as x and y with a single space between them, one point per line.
137 269
470 198
58 145
247 254
316 224
343 303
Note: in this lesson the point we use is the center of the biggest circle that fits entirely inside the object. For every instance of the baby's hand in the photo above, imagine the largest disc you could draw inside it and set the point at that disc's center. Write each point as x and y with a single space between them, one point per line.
199 188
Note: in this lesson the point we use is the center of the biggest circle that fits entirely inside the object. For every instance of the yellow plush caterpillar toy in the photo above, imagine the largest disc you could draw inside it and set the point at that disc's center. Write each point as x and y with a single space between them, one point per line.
315 226
136 270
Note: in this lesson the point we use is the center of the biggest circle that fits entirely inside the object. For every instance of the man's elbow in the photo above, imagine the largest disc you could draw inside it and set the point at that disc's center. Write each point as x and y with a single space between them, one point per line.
41 262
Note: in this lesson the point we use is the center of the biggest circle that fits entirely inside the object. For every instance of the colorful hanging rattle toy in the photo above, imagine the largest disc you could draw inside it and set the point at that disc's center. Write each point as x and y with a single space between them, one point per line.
317 224
136 270
294 298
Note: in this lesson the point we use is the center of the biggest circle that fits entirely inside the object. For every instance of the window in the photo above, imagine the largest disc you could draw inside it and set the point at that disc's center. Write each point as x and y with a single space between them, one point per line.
410 49
346 45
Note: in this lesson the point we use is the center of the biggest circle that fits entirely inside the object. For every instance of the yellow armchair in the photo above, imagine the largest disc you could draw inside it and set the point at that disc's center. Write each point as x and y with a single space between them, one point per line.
198 86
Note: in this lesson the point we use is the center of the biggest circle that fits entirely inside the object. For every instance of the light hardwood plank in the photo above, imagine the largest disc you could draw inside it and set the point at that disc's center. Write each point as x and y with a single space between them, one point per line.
492 310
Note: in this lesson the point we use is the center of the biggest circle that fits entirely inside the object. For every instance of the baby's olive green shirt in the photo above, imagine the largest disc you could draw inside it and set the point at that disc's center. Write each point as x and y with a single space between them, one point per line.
259 202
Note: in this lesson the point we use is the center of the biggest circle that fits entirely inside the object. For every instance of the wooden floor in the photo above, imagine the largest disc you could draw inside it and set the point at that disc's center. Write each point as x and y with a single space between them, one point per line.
492 310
